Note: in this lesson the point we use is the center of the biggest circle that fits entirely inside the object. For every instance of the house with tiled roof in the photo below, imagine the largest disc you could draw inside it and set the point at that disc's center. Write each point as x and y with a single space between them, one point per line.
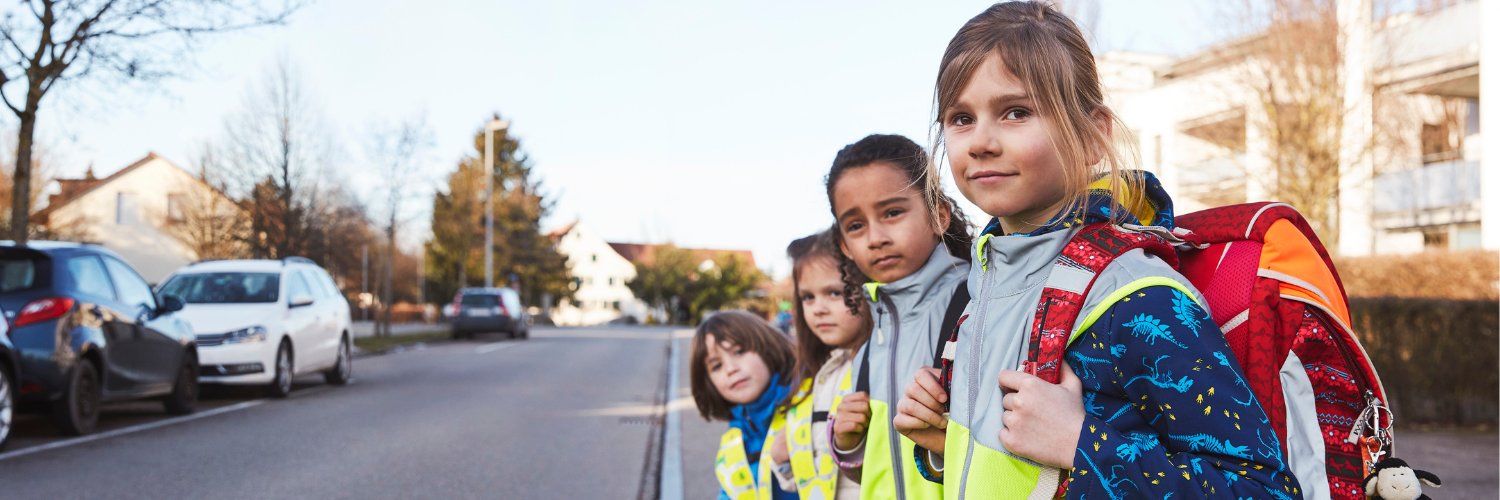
602 271
600 275
139 212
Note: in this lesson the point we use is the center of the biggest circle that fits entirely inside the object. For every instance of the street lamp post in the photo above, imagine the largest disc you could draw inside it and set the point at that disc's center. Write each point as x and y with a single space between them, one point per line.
489 199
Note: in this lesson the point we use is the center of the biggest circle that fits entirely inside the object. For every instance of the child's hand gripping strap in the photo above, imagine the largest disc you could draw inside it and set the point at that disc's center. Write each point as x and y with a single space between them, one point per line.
1073 273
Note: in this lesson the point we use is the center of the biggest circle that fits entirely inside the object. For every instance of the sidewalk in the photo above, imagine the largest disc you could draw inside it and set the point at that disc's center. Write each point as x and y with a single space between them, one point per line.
367 328
700 438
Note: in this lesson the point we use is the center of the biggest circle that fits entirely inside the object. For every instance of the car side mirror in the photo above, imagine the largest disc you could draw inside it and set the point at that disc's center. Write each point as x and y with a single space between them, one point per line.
301 300
169 304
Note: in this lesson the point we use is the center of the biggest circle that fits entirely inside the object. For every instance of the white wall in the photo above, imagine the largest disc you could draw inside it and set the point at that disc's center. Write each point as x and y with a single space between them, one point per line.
602 276
139 236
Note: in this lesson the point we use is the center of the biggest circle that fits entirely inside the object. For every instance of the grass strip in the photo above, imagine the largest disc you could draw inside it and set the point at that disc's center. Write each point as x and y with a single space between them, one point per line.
381 344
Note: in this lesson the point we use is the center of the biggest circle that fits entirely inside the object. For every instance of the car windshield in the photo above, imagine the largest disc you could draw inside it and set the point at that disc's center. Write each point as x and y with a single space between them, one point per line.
224 288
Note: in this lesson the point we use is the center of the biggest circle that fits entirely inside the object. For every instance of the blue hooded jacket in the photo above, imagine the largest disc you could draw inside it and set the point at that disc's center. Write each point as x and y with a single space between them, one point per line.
754 421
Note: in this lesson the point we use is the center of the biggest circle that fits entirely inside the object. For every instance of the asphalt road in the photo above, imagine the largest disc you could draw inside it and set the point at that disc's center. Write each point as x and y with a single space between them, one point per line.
569 413
565 414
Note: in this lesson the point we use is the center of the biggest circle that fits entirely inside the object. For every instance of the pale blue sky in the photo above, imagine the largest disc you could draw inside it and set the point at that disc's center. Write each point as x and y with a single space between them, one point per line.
703 123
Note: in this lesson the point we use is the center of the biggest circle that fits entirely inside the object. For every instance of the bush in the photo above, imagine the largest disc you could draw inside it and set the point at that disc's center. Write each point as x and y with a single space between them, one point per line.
1433 275
1436 357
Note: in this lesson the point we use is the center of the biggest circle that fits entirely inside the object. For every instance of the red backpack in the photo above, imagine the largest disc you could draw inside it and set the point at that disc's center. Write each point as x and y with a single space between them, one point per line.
1273 290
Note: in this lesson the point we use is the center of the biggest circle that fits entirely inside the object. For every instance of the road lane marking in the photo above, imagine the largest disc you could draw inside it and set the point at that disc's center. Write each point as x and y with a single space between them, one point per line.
489 348
679 404
129 430
671 458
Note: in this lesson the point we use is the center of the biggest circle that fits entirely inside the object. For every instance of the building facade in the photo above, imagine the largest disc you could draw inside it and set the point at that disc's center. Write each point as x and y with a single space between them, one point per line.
1409 176
600 276
142 212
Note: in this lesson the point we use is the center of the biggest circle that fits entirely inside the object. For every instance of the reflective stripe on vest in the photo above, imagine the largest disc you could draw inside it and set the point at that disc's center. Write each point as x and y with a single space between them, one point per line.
994 474
733 468
817 475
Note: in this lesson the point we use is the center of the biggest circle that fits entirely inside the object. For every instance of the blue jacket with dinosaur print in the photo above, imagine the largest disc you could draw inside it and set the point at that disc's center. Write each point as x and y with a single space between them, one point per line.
1167 411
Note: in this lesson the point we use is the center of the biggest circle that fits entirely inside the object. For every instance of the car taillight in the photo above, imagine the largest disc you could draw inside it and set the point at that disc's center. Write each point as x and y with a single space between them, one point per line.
42 310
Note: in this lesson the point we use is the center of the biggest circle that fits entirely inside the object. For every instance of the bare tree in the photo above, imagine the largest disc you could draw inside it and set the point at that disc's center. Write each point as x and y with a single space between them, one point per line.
277 149
45 42
42 171
1289 74
398 151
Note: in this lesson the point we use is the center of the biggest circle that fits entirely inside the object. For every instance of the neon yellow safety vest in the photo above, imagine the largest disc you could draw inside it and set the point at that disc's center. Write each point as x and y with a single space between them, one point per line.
976 468
817 475
732 467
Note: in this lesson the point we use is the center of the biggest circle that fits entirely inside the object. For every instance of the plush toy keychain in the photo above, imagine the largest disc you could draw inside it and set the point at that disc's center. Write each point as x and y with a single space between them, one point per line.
1392 479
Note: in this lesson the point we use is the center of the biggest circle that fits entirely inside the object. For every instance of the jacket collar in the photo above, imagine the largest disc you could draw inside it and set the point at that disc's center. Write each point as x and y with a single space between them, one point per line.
1152 208
912 291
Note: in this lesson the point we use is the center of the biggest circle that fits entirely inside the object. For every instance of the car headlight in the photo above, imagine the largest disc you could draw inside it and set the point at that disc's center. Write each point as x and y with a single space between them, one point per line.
246 335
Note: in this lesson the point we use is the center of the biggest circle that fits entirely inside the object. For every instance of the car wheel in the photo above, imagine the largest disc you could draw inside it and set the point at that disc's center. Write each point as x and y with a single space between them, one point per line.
184 395
7 405
281 382
78 410
341 371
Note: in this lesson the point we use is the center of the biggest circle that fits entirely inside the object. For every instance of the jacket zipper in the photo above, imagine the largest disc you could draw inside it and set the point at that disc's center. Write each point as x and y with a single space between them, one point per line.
895 438
977 340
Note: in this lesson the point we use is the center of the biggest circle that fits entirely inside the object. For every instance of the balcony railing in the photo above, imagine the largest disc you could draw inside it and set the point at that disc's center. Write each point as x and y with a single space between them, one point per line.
1450 184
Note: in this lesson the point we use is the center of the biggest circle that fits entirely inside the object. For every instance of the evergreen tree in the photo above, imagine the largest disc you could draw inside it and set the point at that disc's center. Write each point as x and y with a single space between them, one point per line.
523 256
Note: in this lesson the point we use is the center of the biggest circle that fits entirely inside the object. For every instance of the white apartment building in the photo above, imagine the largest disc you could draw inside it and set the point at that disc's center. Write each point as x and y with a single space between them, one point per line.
1418 186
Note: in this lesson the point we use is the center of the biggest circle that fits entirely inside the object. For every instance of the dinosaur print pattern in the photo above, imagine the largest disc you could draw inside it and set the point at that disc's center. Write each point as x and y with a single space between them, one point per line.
1186 312
1146 325
1168 413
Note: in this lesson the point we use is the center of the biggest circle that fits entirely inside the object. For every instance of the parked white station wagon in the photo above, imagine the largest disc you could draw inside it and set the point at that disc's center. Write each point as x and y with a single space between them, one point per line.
264 322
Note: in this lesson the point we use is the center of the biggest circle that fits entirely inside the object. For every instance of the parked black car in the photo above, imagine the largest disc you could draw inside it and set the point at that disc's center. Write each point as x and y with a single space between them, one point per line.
89 330
9 374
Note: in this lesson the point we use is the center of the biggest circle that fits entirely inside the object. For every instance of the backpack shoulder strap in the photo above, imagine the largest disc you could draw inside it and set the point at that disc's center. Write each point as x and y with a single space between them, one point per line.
1073 275
948 332
956 305
862 379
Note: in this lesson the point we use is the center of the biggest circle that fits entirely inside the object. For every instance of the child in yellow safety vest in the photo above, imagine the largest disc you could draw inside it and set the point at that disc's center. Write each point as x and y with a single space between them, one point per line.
741 370
912 242
829 330
1085 366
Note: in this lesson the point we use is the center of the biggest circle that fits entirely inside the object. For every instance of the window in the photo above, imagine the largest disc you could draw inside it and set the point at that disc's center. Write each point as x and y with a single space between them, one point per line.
224 288
1467 237
1435 238
19 273
133 290
611 281
89 277
1471 124
124 208
297 287
616 305
174 209
594 257
328 284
